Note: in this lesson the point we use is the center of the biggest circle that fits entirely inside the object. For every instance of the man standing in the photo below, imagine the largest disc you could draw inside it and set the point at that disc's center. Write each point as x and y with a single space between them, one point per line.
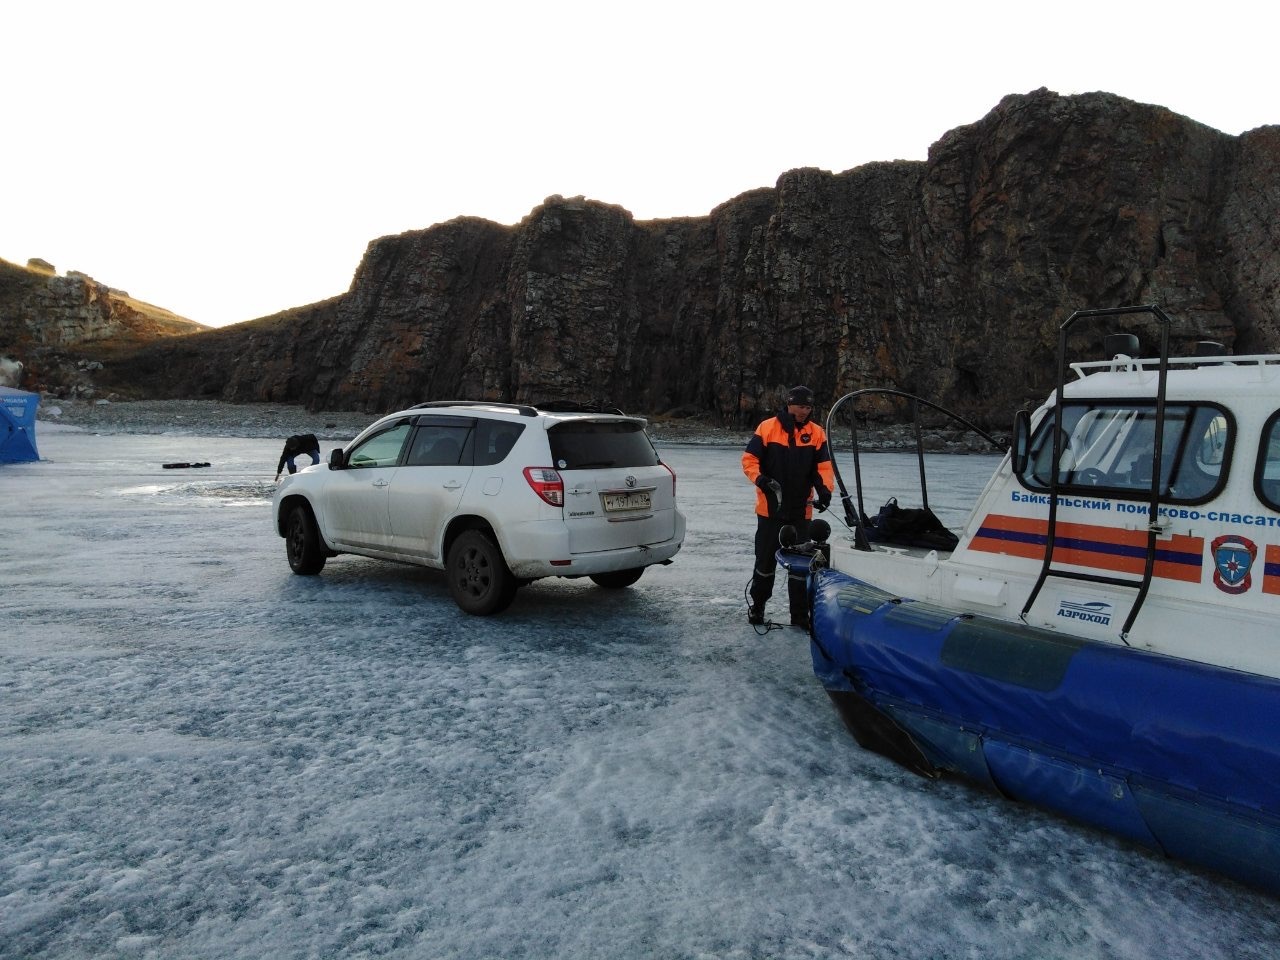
295 446
787 459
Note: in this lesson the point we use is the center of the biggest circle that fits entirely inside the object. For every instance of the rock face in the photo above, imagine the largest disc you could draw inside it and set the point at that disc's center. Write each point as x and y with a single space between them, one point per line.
948 278
56 326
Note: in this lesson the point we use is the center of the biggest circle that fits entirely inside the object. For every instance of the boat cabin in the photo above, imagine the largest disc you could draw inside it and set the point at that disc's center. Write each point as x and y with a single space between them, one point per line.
1139 505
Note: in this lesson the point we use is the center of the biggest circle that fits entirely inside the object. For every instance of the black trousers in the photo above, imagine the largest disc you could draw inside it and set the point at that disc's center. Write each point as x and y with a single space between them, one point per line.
767 565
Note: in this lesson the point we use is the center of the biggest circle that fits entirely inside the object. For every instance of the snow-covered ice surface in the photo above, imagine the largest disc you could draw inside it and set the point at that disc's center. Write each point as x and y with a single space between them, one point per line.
205 756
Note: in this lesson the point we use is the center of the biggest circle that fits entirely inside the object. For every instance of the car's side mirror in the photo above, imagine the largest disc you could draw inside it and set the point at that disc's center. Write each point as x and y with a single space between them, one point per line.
335 459
1021 448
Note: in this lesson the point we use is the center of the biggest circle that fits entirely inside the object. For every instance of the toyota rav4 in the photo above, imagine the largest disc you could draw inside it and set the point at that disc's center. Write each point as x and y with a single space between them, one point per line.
494 494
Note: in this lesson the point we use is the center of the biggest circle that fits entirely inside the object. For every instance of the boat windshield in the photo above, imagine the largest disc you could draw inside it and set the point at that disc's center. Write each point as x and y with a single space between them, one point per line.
1108 447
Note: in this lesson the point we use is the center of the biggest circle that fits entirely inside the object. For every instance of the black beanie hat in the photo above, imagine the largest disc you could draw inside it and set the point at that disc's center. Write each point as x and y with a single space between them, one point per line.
800 394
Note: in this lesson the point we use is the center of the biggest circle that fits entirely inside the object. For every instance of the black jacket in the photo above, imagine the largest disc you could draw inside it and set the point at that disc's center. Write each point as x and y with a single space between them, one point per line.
298 443
797 457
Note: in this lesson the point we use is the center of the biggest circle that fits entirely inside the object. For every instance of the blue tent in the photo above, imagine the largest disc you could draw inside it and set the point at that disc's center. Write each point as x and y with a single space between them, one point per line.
18 425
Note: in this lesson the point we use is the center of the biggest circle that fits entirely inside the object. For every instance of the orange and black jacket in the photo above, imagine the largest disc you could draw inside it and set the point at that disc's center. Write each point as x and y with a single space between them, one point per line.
797 457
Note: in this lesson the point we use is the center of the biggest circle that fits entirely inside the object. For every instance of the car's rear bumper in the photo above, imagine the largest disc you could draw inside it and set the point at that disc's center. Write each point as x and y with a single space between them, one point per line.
541 549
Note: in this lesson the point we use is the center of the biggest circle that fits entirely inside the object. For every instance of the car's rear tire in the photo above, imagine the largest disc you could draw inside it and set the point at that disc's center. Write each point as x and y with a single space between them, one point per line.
479 579
302 542
617 579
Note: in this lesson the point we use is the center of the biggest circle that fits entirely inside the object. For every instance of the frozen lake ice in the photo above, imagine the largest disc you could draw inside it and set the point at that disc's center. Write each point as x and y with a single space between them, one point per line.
203 755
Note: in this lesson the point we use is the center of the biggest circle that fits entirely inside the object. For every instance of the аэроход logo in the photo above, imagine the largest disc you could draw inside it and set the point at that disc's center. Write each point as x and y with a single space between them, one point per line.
1094 611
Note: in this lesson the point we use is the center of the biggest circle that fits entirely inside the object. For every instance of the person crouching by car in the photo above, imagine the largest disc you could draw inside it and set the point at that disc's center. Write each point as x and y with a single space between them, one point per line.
788 460
295 447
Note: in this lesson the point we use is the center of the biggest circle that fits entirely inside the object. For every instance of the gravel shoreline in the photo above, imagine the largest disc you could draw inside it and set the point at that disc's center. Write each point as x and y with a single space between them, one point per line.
209 418
214 418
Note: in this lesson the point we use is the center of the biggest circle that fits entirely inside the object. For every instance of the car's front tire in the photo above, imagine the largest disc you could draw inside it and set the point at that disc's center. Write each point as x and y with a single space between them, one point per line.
617 579
302 542
479 579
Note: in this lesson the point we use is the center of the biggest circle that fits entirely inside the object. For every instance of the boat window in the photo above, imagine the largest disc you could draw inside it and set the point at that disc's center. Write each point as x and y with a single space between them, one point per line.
1108 449
1267 475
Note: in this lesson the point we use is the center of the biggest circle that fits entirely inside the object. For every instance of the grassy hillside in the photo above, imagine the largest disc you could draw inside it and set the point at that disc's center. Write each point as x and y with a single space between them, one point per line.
24 297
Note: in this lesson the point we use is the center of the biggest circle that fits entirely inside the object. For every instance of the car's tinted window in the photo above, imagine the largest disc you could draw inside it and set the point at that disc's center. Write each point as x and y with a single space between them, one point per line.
382 449
437 446
1108 447
494 440
1267 475
584 445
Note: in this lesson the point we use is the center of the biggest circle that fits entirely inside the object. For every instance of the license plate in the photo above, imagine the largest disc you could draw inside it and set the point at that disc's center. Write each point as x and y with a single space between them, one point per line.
626 501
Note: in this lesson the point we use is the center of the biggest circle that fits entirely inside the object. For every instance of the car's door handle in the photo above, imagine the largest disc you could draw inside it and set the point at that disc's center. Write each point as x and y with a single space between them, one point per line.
452 485
381 483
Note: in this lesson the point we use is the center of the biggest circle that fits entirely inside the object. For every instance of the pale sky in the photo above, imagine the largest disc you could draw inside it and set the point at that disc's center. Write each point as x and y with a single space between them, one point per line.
228 160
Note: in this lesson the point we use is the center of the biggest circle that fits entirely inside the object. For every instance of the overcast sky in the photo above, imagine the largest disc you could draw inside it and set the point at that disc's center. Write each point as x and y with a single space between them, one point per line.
230 160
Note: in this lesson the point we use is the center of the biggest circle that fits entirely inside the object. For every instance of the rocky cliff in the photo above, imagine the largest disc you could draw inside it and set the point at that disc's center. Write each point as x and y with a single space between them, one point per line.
57 327
947 277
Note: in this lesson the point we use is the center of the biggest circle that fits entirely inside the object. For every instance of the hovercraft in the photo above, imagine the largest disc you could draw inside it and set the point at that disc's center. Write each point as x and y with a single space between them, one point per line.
1100 639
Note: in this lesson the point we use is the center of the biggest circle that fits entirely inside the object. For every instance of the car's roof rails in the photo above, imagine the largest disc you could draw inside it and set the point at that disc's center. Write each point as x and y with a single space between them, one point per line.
521 408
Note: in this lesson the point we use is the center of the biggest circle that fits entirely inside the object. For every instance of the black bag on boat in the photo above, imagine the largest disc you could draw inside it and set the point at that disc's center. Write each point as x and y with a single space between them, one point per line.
910 527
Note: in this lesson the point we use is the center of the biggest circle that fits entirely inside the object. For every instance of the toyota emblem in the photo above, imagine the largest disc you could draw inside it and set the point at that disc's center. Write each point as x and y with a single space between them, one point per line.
631 481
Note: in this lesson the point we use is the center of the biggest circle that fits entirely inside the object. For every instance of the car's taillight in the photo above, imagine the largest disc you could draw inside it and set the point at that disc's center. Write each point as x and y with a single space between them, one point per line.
673 478
547 484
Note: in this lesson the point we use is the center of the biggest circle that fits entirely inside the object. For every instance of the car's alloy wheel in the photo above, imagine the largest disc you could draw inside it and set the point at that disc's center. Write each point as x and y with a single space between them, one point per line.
479 578
302 542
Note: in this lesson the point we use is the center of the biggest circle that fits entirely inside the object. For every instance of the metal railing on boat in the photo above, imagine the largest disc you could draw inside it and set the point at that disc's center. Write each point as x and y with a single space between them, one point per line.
857 523
1154 529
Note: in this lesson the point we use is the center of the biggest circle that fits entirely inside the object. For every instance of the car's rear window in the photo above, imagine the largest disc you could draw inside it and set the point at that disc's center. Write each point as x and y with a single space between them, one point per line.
587 445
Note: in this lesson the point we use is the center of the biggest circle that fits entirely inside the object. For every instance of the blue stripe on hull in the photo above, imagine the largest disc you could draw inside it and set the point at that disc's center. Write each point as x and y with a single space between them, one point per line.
1178 756
1133 551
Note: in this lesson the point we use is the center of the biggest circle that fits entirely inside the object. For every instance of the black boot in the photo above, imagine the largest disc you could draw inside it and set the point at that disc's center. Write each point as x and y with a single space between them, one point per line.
755 614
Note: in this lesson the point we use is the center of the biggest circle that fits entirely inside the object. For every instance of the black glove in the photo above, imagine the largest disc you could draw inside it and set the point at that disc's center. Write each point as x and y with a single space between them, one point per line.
770 484
824 499
772 488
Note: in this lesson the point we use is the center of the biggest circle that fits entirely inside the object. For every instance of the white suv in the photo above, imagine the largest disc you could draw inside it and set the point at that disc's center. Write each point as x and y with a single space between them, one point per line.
495 494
